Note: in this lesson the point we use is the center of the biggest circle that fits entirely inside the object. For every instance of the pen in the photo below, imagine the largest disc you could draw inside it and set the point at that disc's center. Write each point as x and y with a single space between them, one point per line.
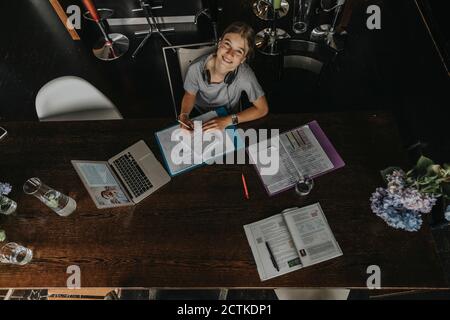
274 262
184 124
245 187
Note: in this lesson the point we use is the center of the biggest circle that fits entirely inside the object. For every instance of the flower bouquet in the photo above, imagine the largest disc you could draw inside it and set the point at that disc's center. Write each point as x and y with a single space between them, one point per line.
6 204
409 195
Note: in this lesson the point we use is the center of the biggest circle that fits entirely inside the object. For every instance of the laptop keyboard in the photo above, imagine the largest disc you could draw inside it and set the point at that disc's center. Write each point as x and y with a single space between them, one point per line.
132 174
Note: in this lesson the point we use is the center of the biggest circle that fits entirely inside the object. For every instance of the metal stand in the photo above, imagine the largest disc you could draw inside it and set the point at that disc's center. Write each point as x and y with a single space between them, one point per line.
326 32
153 26
266 39
113 45
207 13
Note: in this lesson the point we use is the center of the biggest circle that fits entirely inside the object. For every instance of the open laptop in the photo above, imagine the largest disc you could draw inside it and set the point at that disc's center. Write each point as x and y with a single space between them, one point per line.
125 179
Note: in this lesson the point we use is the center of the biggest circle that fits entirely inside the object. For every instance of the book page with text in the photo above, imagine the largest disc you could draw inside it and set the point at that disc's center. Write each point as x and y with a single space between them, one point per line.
311 234
305 152
272 230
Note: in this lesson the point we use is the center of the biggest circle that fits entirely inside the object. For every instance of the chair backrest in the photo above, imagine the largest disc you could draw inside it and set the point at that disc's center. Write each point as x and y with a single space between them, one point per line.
73 99
178 64
187 55
306 55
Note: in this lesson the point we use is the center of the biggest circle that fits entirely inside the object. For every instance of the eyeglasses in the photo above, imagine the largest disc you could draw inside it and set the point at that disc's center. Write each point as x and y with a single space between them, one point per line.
3 133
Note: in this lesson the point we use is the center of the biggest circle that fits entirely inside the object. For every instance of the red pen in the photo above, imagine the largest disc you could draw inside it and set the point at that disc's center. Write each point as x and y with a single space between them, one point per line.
245 187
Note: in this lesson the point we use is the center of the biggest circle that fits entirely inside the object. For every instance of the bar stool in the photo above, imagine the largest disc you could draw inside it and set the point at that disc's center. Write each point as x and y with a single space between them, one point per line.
266 39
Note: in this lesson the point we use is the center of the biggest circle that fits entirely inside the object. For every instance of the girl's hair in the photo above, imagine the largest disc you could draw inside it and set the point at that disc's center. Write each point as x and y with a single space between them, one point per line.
245 31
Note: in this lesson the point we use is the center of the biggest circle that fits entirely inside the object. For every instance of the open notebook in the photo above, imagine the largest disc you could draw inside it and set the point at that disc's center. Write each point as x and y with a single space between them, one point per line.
201 145
291 240
303 151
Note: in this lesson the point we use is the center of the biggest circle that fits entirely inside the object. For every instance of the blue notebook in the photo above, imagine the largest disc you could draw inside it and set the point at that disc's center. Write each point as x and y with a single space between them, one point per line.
166 145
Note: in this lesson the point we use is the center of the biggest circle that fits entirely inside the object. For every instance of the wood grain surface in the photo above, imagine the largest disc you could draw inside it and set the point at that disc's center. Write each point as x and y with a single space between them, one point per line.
190 233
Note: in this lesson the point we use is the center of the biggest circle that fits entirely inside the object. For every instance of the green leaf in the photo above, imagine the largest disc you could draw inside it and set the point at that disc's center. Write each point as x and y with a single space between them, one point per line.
434 168
422 165
2 235
387 171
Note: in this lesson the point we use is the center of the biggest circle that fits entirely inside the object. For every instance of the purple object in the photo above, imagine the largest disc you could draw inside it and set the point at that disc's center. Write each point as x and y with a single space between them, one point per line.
326 145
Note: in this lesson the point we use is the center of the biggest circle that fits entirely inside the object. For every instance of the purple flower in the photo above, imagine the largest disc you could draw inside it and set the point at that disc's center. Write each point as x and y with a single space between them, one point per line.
5 188
414 200
390 208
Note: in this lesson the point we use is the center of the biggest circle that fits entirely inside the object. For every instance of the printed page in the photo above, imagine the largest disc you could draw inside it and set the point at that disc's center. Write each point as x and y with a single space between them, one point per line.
311 234
101 184
305 152
207 153
287 174
208 140
274 232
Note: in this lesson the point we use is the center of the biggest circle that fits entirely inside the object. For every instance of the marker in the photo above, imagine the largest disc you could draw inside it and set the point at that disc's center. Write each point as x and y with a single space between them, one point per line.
245 187
184 124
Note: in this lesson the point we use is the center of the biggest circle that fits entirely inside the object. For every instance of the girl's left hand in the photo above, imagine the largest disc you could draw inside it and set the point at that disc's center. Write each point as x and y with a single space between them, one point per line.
219 123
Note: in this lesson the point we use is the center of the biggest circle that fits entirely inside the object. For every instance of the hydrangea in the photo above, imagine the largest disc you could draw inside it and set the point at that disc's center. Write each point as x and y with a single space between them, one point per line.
5 188
396 180
390 208
414 200
447 213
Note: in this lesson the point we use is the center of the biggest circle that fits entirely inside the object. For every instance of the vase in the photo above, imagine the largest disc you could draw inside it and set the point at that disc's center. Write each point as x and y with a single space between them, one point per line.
438 218
7 205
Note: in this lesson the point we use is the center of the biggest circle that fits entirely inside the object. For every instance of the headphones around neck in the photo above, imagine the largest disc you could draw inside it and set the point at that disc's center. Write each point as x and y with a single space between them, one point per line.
229 77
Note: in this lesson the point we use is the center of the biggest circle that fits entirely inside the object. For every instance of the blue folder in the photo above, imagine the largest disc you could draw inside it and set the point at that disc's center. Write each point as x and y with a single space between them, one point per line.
230 130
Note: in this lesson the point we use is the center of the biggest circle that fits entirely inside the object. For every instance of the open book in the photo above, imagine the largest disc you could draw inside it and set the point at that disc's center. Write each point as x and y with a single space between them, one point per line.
304 151
200 145
291 240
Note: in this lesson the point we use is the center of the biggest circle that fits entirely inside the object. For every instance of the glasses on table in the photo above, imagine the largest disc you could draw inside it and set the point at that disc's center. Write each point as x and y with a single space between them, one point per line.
3 133
13 253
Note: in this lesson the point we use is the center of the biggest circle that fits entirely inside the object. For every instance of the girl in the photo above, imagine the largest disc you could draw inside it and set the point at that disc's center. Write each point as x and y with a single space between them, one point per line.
218 80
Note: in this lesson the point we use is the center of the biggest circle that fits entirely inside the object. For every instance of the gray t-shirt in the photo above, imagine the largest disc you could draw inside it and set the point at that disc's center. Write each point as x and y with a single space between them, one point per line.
211 96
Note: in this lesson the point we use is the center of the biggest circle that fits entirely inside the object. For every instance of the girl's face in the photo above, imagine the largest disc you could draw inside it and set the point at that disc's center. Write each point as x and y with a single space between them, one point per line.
232 51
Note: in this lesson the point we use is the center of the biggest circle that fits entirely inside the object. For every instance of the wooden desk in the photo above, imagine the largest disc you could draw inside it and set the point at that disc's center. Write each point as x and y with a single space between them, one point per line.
190 233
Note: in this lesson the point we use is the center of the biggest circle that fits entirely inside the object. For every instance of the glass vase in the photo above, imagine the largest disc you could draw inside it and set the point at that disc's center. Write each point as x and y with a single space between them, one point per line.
7 205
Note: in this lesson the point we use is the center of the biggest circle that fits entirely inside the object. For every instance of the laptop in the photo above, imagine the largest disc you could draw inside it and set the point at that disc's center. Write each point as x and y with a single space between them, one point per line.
125 179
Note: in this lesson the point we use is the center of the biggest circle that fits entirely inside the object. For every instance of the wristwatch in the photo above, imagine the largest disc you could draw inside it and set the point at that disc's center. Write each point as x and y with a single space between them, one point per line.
234 119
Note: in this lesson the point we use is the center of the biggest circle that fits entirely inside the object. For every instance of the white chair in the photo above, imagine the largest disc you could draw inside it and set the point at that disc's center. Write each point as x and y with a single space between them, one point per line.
73 99
178 64
312 294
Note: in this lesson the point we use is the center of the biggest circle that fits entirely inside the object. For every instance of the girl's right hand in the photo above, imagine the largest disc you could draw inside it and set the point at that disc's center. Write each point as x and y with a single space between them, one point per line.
184 117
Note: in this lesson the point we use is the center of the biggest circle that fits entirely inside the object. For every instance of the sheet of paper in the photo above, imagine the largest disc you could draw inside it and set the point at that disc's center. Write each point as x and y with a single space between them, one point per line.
287 174
206 155
209 140
305 151
311 234
300 154
274 231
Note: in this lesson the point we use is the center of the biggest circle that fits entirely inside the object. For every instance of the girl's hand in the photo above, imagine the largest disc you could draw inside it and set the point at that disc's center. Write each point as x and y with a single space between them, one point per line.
184 117
219 123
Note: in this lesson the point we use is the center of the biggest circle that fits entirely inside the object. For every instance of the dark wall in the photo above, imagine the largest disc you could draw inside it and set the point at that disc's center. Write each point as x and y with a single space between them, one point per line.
123 8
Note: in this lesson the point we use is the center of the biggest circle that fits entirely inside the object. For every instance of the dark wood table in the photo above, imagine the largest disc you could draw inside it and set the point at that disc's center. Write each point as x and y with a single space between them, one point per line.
190 233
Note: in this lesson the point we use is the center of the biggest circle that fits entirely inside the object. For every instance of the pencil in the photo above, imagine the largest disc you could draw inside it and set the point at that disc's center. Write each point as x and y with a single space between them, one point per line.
245 187
184 124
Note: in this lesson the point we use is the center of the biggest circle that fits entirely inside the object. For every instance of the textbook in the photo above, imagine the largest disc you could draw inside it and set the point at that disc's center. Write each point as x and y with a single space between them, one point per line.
303 151
291 240
200 149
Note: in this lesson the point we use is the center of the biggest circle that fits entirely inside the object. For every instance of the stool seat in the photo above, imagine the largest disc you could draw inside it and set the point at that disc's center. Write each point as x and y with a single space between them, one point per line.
73 99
